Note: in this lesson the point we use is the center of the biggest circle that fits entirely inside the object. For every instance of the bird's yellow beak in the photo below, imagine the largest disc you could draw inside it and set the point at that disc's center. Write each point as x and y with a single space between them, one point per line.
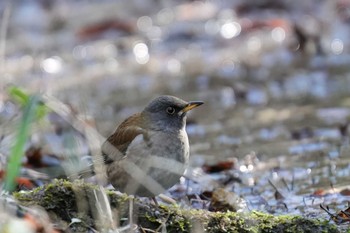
192 105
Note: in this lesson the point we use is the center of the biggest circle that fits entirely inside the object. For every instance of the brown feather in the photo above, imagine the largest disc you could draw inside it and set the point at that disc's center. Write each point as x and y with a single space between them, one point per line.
126 132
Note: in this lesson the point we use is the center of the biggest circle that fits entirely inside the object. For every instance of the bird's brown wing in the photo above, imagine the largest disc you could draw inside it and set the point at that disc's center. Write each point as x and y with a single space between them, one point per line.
116 145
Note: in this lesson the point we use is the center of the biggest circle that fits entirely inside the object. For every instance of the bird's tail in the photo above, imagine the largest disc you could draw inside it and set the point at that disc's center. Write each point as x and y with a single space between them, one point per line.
90 168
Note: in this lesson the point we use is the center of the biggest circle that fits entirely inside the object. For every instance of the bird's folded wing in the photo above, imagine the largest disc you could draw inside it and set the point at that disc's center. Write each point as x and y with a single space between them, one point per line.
138 164
115 147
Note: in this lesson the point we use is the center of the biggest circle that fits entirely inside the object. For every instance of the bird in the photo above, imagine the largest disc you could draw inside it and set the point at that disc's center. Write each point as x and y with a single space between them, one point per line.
149 151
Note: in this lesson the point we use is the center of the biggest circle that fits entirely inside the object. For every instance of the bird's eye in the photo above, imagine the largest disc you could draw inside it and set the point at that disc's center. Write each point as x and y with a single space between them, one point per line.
170 110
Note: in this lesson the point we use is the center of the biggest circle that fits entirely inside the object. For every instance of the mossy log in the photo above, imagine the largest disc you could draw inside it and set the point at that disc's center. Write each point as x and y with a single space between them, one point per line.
72 206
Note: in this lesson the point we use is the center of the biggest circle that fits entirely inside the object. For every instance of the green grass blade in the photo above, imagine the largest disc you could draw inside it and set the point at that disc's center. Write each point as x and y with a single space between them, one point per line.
17 150
18 95
22 98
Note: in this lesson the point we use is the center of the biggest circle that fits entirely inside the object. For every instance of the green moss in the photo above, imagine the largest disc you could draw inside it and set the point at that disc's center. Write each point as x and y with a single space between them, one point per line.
261 222
117 201
65 200
170 217
178 223
56 196
176 219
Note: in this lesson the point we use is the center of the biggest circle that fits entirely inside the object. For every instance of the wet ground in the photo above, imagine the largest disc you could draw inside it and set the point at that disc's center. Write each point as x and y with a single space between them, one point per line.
274 78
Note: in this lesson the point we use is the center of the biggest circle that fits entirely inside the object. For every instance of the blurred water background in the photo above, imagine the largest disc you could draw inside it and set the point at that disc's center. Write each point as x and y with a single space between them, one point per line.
274 76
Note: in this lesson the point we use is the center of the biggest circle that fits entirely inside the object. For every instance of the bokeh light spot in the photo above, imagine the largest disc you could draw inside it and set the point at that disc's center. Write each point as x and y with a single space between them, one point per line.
254 44
278 34
144 23
52 65
337 46
230 30
174 66
141 53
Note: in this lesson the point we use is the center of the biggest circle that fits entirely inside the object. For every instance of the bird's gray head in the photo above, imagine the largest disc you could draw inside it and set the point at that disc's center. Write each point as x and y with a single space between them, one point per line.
168 112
